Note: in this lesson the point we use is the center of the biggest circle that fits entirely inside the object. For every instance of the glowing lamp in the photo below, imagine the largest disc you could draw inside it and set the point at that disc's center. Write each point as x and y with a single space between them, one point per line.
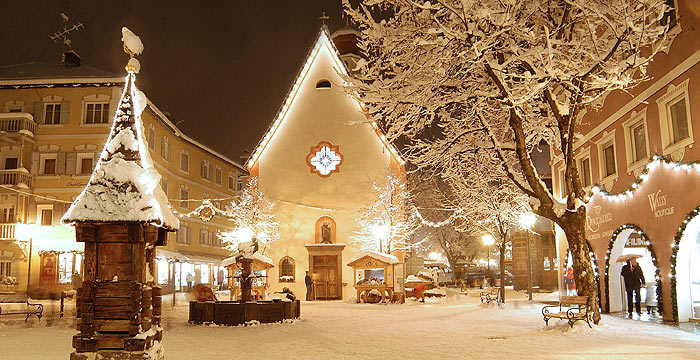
244 234
527 220
380 231
488 239
27 231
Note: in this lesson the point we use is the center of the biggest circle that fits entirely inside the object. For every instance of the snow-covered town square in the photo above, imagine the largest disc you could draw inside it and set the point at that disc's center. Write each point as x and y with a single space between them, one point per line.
350 179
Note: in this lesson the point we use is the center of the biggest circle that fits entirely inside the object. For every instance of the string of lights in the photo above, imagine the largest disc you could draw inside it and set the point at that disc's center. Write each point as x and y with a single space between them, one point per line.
35 195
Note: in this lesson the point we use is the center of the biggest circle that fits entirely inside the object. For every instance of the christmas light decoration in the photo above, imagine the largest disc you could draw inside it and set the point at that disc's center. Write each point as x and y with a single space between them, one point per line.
322 43
674 254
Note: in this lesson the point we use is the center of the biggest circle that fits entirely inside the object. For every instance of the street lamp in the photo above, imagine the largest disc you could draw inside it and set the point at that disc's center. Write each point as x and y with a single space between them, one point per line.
488 240
527 220
380 232
27 232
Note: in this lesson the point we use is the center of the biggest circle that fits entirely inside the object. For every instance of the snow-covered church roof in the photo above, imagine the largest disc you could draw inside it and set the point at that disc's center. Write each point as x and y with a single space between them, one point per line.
124 187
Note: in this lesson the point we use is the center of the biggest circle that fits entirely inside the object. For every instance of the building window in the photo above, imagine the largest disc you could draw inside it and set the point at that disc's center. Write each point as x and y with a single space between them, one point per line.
183 234
214 238
165 148
151 137
675 120
69 263
239 183
10 163
85 163
323 84
217 175
231 182
96 113
204 237
639 142
562 183
670 17
5 268
45 213
52 113
185 161
48 164
679 120
8 215
164 185
206 170
287 269
584 171
609 160
184 196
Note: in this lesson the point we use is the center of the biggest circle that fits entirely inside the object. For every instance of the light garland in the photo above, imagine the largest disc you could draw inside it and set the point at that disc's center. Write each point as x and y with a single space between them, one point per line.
323 40
431 223
650 247
656 160
593 260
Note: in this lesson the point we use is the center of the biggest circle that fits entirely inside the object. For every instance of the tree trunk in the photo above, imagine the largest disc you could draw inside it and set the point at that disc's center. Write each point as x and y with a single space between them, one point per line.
246 279
573 225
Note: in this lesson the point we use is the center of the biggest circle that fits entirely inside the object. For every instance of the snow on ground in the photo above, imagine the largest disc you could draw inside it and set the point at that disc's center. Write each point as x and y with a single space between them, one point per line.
456 327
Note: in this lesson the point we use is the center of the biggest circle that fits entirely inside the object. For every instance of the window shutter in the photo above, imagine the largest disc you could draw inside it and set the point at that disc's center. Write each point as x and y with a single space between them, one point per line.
39 112
71 159
57 213
35 163
65 111
61 163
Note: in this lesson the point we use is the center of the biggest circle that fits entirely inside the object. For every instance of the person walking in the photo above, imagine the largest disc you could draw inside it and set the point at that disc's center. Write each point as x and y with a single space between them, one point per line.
634 280
190 281
309 287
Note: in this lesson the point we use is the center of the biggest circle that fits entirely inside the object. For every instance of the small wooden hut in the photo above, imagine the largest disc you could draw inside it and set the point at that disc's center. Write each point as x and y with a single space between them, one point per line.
374 275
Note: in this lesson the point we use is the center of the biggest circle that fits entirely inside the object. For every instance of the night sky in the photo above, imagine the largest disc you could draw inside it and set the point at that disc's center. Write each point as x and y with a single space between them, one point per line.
221 68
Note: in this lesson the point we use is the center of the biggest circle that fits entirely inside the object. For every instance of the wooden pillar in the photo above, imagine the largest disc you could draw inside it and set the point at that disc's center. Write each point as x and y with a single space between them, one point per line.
120 306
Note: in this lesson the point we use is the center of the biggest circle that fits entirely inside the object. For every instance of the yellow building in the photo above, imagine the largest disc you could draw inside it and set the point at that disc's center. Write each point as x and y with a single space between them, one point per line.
53 124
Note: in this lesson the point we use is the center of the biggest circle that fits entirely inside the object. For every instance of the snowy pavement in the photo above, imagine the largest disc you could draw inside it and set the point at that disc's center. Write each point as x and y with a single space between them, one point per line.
457 327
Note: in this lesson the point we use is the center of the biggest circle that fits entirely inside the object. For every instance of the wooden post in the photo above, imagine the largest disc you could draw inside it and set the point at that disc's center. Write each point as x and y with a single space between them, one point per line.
119 301
246 279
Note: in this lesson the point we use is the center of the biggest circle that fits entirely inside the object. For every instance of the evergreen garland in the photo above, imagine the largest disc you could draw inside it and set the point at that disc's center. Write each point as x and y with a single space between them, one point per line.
674 254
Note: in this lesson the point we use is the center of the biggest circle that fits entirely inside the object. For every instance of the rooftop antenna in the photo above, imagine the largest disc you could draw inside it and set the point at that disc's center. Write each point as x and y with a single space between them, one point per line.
63 34
323 18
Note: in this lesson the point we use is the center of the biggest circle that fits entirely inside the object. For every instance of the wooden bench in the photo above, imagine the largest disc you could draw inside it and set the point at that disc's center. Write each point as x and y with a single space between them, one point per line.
570 308
490 295
29 310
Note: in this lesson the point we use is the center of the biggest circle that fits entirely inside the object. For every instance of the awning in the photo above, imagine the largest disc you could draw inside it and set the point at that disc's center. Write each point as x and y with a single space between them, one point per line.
170 255
199 258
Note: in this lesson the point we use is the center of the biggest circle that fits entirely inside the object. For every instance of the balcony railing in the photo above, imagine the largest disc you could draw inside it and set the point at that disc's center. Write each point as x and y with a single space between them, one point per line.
16 177
16 122
7 231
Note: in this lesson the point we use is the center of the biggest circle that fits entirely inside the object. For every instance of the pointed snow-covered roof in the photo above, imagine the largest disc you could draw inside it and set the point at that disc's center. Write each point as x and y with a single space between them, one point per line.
323 40
124 187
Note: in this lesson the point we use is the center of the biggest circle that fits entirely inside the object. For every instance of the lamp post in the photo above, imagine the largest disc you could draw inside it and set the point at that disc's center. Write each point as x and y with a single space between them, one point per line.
527 220
488 240
27 231
381 232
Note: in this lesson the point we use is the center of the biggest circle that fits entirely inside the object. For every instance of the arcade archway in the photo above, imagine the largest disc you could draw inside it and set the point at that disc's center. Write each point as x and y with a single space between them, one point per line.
631 239
685 269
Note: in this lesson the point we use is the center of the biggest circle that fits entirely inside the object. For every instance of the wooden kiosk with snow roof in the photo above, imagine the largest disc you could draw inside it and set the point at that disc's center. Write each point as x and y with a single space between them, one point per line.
318 162
374 276
121 216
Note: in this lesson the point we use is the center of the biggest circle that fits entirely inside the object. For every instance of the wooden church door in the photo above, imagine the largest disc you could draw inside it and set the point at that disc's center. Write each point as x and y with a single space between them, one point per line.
326 284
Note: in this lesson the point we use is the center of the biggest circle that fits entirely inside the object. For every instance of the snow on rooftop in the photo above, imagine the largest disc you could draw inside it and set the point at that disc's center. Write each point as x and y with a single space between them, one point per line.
387 258
124 185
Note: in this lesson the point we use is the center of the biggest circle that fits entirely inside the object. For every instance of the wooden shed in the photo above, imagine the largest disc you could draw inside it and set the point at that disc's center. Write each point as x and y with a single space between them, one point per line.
376 272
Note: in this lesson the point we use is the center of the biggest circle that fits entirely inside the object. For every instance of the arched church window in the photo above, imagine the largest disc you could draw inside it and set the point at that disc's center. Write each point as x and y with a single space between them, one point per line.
323 84
287 269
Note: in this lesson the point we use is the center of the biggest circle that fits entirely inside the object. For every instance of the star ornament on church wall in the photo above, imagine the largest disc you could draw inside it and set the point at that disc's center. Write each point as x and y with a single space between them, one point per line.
324 159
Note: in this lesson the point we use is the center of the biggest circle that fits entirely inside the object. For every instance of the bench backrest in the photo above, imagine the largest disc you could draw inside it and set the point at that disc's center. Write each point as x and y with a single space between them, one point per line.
574 300
13 298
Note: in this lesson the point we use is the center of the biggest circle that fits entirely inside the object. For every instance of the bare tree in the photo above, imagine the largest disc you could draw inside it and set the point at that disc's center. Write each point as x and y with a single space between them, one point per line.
454 78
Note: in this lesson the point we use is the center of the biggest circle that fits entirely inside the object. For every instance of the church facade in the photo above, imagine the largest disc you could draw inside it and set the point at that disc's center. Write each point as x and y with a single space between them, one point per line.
318 162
